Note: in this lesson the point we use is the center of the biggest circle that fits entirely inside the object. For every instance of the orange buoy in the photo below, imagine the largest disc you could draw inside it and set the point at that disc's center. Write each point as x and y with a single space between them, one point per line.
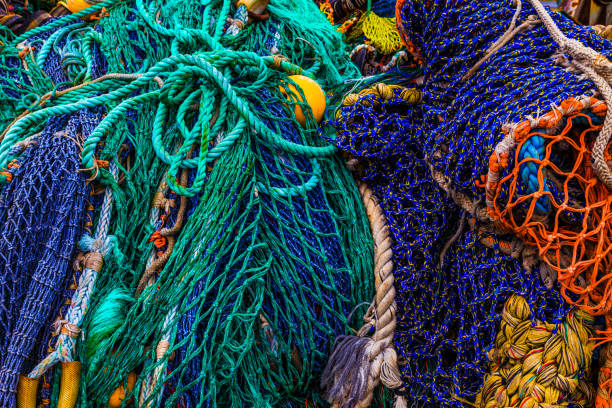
315 97
119 394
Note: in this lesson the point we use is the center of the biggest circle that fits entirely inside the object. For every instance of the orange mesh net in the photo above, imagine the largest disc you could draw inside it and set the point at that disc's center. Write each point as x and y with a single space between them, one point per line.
554 202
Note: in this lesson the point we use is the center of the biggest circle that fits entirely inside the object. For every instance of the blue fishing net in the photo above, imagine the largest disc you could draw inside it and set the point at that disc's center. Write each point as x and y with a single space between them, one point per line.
462 118
43 208
451 281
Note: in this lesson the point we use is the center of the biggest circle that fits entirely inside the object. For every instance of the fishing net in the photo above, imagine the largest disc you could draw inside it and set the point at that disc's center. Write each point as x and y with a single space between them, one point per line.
234 243
451 282
518 132
511 130
44 208
370 29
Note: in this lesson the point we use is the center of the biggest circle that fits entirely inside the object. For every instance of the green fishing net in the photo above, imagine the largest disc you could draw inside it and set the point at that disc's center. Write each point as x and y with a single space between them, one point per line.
241 248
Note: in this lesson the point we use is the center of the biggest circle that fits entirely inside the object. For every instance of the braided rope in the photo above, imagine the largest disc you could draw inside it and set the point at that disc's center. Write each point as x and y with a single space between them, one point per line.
160 352
155 265
372 360
538 363
383 358
239 21
604 31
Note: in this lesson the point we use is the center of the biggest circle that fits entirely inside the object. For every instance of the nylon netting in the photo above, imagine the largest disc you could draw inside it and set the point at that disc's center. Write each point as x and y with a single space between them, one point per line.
465 117
43 208
451 281
509 137
553 200
237 240
524 94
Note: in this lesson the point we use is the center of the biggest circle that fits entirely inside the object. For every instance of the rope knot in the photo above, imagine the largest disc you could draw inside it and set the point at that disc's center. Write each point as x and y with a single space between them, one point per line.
65 327
93 260
101 245
160 201
235 22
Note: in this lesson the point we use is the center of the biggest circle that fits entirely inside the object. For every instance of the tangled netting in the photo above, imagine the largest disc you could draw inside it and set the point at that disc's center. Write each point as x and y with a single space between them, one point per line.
225 244
370 29
451 283
503 141
515 133
465 115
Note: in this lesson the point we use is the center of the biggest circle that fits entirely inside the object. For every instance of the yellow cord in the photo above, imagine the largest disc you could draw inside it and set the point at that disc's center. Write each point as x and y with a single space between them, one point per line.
541 364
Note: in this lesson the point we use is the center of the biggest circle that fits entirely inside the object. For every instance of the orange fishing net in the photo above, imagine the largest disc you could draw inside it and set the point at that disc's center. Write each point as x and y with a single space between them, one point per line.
541 187
551 198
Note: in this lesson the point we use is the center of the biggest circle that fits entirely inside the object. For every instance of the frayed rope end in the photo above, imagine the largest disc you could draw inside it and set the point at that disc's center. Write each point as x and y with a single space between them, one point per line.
345 379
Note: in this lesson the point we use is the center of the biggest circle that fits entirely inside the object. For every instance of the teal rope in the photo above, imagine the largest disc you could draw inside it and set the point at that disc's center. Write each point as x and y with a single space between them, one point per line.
46 48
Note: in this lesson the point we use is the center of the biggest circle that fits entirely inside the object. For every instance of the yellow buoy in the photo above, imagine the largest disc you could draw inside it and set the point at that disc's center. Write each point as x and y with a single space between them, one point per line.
254 6
119 394
77 5
315 97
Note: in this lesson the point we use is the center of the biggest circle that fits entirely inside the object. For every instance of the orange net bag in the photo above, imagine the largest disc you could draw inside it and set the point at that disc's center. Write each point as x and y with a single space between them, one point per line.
551 198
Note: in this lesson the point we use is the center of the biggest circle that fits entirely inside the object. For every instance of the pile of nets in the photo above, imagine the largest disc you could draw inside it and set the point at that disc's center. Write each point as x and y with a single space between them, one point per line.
493 173
369 28
175 233
178 231
451 282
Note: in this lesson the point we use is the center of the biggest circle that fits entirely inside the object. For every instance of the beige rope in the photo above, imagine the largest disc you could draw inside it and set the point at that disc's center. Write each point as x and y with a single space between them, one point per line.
599 70
383 358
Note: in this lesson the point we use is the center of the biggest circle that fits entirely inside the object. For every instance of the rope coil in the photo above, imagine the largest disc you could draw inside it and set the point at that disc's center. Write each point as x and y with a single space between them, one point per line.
538 363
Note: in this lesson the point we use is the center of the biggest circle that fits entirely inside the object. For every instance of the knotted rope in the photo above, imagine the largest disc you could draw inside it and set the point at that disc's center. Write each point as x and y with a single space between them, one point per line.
535 363
357 364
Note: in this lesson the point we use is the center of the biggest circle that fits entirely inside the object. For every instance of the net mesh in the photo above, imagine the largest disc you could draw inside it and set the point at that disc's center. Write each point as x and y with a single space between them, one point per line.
552 199
43 208
451 281
255 248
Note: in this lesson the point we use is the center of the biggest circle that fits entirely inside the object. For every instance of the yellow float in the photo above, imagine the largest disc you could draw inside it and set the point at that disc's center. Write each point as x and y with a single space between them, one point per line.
315 97
76 5
119 394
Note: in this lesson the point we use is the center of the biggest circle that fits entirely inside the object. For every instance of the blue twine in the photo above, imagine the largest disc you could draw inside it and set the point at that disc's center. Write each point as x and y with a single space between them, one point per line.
42 211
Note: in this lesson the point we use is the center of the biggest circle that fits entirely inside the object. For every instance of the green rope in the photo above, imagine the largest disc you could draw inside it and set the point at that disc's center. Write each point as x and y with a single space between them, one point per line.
274 226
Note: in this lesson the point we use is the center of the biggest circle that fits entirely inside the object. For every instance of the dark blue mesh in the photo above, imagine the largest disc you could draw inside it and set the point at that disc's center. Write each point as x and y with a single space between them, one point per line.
42 211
